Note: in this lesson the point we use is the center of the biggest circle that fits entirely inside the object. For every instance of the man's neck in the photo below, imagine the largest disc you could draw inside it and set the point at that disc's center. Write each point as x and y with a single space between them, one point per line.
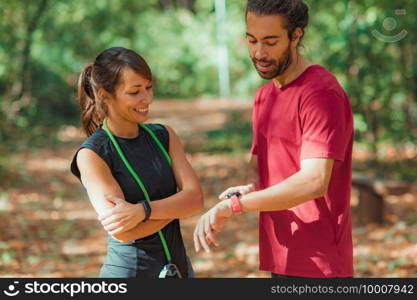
297 67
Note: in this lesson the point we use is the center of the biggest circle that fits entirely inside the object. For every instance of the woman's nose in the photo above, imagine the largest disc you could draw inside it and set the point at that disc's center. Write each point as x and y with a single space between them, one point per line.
147 98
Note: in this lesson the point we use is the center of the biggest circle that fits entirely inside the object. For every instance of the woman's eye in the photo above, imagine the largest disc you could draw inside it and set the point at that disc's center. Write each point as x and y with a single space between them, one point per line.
134 93
252 42
149 87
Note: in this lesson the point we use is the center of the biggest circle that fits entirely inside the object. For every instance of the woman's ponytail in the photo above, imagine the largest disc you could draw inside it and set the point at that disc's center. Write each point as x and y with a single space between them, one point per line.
87 101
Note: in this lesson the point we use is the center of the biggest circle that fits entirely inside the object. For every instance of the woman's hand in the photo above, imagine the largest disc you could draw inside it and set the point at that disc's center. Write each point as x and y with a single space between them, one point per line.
122 217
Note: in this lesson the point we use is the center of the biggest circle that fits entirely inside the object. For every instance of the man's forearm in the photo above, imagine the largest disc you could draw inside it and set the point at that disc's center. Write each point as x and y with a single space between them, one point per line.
294 190
141 230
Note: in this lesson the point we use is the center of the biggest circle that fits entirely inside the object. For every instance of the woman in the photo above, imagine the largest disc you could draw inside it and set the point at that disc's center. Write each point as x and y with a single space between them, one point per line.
114 94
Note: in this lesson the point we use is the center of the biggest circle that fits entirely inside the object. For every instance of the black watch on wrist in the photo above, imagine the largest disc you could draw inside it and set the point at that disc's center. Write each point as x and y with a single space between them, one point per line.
230 195
147 208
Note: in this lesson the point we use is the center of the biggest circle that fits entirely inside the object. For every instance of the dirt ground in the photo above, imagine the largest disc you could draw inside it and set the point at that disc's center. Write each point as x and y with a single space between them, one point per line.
49 229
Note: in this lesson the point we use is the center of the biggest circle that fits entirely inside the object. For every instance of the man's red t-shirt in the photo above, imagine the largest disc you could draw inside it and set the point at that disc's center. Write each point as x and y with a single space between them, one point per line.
309 118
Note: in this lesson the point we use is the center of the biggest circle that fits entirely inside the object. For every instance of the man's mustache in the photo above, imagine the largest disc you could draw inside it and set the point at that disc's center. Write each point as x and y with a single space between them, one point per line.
265 61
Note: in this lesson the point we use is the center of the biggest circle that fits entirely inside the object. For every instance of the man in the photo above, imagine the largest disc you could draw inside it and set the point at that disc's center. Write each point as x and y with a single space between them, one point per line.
301 154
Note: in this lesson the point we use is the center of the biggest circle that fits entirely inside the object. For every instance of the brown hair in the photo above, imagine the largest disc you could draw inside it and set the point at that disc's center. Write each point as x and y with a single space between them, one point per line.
295 11
105 73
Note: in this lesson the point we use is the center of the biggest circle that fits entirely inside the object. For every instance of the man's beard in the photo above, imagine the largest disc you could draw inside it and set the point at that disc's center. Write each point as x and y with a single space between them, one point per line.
280 67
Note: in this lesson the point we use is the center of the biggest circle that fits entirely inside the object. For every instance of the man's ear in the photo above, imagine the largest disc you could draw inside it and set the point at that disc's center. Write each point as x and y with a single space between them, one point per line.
296 36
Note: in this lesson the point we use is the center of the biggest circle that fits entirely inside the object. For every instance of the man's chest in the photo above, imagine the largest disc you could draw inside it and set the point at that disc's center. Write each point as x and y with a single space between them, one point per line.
279 118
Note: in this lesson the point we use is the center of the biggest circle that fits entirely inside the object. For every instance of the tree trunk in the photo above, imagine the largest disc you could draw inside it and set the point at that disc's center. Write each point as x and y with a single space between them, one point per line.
24 76
187 4
166 4
370 206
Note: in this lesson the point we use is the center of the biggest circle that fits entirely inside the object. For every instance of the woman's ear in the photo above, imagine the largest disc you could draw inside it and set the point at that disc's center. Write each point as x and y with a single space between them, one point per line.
103 95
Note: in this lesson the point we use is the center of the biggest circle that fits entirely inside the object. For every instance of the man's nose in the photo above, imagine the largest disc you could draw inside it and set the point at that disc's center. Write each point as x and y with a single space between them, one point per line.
260 52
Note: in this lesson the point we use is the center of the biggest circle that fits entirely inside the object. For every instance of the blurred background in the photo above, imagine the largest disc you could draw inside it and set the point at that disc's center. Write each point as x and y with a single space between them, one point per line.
204 86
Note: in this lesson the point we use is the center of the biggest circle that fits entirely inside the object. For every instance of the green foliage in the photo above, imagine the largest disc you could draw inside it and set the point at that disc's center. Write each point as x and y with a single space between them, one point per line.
45 43
378 76
233 137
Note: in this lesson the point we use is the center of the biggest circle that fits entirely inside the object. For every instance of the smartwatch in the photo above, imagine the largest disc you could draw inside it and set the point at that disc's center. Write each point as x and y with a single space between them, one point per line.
147 208
235 203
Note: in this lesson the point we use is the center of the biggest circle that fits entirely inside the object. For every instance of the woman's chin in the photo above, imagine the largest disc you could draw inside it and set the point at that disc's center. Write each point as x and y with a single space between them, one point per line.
142 119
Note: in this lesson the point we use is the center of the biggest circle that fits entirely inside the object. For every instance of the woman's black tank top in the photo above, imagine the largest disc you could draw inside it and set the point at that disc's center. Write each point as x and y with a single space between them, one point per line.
143 257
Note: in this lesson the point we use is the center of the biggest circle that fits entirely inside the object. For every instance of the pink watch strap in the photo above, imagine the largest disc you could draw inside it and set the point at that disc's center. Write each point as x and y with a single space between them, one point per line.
236 207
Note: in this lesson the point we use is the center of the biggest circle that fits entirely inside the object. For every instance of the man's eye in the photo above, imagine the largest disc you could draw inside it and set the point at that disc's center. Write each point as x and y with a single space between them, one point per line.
271 44
149 87
252 42
134 93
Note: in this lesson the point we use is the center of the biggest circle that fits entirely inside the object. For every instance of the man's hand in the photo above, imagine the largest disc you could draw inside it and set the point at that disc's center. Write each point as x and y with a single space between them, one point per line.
210 224
243 190
122 217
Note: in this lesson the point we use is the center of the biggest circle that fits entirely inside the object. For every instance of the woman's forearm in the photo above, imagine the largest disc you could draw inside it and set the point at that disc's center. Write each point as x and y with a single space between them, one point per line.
180 205
189 199
141 230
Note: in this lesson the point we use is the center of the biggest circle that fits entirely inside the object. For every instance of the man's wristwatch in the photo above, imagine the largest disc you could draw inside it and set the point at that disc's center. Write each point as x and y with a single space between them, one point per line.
235 203
147 208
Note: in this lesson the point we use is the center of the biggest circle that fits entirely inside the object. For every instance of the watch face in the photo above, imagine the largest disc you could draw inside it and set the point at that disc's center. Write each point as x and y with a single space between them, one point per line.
230 195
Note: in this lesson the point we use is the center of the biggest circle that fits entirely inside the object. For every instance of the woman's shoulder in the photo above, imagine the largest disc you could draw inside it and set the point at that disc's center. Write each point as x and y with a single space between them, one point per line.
161 132
98 142
156 126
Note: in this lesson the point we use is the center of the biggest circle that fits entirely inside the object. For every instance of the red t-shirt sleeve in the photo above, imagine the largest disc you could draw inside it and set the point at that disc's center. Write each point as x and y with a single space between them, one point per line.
324 126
